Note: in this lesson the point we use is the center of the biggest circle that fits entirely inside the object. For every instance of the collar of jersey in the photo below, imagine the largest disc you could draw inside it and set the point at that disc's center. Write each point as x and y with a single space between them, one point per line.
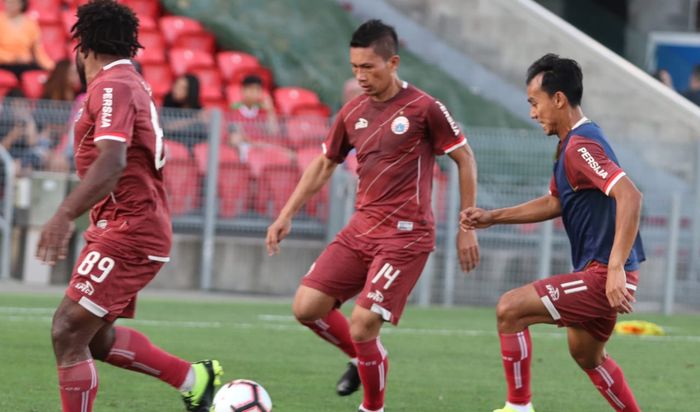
116 63
583 120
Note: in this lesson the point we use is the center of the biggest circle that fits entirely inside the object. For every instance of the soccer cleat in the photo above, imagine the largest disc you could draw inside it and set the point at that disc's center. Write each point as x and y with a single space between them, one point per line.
349 382
509 408
207 373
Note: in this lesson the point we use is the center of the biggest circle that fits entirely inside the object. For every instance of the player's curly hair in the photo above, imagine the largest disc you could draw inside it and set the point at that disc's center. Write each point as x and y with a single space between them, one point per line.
107 27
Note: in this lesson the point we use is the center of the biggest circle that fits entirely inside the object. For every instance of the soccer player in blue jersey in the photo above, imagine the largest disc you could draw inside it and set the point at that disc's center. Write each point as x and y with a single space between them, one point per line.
600 207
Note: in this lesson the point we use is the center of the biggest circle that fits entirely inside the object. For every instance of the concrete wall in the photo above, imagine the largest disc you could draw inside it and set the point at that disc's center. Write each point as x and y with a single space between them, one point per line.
506 36
241 265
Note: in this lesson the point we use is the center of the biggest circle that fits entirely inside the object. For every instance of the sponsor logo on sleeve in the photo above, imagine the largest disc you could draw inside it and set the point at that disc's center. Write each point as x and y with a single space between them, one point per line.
588 158
361 123
400 125
376 296
448 117
107 96
85 287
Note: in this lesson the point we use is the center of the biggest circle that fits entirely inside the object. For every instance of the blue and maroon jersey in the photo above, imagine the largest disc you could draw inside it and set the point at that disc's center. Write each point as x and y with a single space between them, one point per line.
585 172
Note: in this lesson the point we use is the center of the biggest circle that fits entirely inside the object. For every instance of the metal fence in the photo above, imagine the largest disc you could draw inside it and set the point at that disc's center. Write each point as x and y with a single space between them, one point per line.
229 176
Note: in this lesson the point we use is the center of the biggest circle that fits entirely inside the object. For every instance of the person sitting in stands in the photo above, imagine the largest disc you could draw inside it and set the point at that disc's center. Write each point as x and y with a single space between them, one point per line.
20 40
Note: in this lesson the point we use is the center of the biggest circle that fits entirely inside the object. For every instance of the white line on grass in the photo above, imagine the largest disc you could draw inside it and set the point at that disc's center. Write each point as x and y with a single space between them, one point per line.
273 322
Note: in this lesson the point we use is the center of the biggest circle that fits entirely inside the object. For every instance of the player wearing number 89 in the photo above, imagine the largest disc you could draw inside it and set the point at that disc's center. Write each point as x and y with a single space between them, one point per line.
119 159
396 130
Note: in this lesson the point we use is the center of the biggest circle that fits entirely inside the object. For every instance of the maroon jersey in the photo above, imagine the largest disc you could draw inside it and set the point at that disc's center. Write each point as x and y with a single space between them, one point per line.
396 143
135 216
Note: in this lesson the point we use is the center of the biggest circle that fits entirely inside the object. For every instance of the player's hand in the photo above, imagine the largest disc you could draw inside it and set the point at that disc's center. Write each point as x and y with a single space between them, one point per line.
475 218
619 297
468 250
53 242
277 231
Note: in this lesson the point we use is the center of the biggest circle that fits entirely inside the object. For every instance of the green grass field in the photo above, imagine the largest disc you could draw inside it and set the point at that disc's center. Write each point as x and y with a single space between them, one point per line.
441 360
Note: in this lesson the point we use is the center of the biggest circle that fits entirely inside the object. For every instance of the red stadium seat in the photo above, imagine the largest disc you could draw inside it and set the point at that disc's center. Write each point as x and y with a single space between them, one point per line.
215 104
351 162
147 23
183 60
318 109
233 93
182 184
45 11
53 38
153 47
263 155
196 41
304 131
33 83
68 18
173 26
148 8
317 206
287 98
159 77
201 155
8 81
275 184
262 72
210 85
176 150
230 62
234 189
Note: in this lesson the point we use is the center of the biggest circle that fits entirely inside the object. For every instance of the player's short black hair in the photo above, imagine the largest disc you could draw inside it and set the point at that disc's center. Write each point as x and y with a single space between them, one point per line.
381 37
107 27
696 72
252 79
559 75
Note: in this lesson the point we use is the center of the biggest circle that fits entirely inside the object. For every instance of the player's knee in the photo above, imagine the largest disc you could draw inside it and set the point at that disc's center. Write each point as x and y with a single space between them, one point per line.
585 359
306 312
507 312
63 331
364 328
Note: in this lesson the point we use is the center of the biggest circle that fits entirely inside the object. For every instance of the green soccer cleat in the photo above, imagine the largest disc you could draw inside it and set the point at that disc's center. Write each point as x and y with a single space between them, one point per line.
207 373
508 408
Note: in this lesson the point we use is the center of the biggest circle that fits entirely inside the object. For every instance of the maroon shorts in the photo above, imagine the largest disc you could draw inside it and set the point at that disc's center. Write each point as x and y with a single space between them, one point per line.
106 283
383 278
578 299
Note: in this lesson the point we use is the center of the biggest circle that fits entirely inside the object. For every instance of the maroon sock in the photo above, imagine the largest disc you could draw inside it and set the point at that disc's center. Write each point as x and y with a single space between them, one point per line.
132 350
373 366
78 386
334 328
516 352
610 381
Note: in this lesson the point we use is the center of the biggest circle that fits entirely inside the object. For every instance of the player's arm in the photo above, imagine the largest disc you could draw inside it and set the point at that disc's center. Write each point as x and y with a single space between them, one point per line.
628 201
467 243
314 178
99 181
536 210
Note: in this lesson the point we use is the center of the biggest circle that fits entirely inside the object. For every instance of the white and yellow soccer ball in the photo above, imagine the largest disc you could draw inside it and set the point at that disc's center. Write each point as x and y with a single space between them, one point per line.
242 395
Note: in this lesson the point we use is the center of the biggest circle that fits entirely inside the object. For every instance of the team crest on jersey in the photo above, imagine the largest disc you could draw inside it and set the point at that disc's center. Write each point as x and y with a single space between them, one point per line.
361 123
400 125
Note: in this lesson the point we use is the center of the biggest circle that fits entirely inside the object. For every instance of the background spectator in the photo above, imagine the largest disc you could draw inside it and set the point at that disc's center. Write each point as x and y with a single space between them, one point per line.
255 111
20 40
63 83
18 133
186 128
664 77
351 89
184 93
693 92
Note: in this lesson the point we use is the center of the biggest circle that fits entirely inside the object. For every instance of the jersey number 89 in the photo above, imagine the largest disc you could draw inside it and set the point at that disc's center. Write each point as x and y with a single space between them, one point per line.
104 264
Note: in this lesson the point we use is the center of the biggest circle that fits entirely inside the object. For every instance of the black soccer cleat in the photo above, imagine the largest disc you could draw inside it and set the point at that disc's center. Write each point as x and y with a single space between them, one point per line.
207 373
349 383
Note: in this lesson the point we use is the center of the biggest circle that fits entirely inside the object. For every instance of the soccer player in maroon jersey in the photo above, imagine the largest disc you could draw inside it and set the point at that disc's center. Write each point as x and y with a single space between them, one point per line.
600 208
396 130
119 159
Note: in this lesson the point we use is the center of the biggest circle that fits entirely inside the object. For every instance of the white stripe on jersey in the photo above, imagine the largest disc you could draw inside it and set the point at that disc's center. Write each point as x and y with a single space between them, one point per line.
387 121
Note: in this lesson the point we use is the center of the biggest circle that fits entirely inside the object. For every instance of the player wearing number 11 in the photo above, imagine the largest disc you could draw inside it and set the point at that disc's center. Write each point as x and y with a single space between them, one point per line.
119 159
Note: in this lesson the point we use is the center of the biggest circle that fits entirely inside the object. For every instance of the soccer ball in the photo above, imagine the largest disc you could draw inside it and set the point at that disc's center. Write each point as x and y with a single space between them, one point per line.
242 395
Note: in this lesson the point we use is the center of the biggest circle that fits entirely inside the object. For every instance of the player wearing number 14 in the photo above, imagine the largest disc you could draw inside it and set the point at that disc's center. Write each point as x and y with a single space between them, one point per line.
119 159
